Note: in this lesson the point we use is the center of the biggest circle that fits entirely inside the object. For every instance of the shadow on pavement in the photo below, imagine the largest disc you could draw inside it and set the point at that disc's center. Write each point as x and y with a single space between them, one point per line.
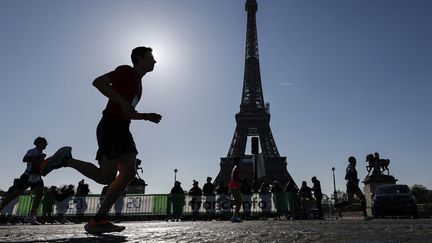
94 238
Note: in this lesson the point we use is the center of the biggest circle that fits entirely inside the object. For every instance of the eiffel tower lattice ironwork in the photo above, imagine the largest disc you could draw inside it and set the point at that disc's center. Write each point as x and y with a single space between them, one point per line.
253 119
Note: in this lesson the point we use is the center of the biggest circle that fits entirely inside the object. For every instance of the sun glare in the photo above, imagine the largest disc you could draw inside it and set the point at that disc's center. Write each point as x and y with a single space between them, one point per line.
158 53
167 52
162 53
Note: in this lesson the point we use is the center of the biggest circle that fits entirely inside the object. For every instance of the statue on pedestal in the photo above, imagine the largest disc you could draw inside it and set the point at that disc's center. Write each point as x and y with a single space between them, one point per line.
375 177
377 165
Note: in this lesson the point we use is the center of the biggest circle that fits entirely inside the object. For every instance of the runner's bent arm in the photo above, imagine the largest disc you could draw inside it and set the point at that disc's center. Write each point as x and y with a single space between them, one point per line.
103 84
153 117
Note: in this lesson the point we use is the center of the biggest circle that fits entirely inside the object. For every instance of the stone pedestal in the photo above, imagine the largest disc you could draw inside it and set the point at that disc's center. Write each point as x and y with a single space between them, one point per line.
371 183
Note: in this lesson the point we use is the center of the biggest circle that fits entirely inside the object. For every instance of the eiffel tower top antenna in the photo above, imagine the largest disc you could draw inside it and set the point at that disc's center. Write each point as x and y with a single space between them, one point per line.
251 8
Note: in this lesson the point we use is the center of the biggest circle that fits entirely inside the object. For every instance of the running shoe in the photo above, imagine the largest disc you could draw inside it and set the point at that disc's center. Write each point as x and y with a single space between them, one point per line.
236 220
31 219
65 221
368 218
103 226
57 160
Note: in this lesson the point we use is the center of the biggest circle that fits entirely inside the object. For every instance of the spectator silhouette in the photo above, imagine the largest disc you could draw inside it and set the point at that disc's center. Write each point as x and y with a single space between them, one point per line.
316 188
266 200
291 194
279 199
62 204
178 201
222 201
80 200
306 199
195 192
48 202
210 199
305 191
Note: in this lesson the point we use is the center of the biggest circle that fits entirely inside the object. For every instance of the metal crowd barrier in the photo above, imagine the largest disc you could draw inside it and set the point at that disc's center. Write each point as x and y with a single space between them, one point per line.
147 205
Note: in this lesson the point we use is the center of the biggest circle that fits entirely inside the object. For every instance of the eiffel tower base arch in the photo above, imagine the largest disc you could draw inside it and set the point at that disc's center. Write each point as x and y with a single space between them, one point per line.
275 169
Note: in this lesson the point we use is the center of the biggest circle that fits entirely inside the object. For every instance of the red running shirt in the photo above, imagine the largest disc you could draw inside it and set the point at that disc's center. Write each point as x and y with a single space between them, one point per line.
127 83
235 179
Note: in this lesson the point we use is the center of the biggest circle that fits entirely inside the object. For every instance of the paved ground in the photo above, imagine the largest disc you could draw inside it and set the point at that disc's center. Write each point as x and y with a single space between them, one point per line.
344 230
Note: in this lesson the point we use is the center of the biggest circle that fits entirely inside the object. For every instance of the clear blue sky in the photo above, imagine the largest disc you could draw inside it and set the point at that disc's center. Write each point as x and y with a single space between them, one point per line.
342 77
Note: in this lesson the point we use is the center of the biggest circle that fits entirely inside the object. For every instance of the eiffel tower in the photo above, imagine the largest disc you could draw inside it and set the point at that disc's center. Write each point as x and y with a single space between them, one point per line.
253 120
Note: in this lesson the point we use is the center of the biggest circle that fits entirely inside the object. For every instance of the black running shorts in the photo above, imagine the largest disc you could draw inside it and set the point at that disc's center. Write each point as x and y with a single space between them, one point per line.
26 181
352 187
114 138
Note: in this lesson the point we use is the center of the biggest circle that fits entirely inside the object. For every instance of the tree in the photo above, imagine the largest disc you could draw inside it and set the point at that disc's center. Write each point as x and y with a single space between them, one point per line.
421 193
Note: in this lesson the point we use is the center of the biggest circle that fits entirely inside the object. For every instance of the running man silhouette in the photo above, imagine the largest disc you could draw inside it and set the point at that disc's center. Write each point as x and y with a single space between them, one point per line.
30 178
234 187
117 151
352 187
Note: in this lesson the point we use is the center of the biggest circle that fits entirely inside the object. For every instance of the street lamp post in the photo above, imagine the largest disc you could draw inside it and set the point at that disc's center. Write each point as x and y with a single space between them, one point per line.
334 185
335 193
175 175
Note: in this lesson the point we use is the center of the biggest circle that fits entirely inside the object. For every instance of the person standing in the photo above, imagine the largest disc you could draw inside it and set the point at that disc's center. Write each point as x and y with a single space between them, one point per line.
316 188
80 200
305 198
48 202
178 200
352 187
210 199
63 199
279 200
266 200
234 187
117 151
30 178
291 191
222 201
195 192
